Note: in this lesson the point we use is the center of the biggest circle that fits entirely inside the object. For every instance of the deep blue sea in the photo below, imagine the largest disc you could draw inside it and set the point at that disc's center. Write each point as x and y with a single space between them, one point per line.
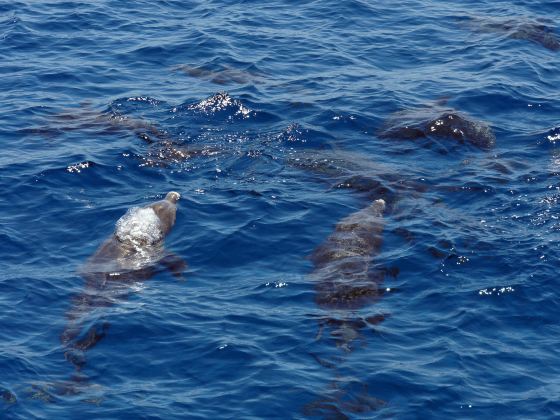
275 121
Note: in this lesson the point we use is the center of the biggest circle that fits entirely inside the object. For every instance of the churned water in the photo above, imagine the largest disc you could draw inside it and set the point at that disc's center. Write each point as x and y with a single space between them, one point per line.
278 123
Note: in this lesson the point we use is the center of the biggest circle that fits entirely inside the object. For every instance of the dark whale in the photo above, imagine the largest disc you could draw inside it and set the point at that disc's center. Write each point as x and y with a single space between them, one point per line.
342 267
534 32
345 282
134 252
438 124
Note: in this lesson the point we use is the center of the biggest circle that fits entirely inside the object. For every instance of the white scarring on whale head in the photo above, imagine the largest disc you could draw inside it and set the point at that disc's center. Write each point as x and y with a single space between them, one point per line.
139 227
173 196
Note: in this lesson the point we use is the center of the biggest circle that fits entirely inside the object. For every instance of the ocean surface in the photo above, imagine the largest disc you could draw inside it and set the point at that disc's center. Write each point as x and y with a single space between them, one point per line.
275 121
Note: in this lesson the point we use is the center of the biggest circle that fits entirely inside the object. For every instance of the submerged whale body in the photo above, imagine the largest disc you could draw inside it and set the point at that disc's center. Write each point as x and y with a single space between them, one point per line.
344 283
368 178
132 253
221 76
440 125
536 32
163 150
342 263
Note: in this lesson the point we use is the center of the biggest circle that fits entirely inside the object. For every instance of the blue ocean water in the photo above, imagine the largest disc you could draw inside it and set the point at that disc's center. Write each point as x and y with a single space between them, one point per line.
269 119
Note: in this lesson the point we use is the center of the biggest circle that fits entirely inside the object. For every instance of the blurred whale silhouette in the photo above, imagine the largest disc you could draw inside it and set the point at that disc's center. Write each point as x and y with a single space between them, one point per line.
222 75
535 31
134 252
162 149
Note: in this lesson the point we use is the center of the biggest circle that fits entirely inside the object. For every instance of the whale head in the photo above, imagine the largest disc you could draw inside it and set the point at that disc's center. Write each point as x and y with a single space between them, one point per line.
173 196
139 227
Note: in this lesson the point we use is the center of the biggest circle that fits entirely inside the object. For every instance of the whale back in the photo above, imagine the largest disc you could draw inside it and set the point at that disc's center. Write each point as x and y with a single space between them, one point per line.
357 235
439 124
342 262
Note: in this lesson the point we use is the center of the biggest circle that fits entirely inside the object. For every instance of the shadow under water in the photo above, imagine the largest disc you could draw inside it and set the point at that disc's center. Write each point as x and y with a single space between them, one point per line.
222 75
529 30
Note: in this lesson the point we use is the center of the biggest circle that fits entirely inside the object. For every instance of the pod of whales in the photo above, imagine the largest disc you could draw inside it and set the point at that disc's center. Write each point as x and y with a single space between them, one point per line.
132 253
344 275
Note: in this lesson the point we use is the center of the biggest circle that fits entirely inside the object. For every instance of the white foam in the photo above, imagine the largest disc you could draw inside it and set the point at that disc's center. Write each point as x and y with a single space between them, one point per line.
219 102
139 227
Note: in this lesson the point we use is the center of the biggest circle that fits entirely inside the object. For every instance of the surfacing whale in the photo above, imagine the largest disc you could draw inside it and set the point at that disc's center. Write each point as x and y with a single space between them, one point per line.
438 124
134 252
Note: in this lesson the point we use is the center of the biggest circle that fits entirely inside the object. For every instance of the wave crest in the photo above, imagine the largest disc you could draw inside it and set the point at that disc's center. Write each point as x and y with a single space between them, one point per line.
221 101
